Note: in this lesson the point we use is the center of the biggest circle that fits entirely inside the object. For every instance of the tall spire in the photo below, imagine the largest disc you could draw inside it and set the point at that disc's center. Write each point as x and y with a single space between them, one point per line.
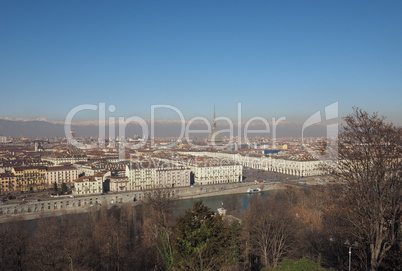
214 117
214 138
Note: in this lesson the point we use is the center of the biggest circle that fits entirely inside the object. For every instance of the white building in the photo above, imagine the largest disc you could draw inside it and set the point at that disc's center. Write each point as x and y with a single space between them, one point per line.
85 167
210 171
118 184
4 139
61 175
285 166
88 185
141 176
171 176
206 170
92 168
145 176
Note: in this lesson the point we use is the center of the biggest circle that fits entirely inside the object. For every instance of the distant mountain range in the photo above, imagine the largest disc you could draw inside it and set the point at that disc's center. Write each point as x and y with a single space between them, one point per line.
168 128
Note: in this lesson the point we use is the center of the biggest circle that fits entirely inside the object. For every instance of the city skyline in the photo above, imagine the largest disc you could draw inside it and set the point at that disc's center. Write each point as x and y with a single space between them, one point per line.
279 122
278 59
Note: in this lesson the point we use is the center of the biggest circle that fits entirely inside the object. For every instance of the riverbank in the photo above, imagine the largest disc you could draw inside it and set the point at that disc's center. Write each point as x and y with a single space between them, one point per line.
62 206
205 191
94 202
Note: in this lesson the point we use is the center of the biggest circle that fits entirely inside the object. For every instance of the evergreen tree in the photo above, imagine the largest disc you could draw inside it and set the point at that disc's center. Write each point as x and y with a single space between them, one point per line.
63 188
203 241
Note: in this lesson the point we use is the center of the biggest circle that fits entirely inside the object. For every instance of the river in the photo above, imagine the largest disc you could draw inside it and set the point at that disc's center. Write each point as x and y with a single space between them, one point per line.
215 202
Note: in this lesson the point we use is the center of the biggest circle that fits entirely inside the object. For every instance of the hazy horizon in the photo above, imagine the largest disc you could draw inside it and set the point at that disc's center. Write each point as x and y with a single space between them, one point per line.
276 58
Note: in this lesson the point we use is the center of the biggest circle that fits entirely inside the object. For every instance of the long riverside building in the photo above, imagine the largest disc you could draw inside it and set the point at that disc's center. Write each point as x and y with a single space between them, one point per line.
206 170
291 167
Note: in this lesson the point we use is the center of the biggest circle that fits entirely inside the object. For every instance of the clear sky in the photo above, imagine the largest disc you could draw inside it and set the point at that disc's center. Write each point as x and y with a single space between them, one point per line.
278 58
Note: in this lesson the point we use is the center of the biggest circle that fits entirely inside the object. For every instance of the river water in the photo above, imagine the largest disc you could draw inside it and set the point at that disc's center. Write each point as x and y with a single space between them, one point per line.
216 202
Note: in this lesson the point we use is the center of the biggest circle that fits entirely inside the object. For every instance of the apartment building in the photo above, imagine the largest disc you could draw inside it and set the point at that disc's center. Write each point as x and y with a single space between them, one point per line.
151 175
118 183
8 182
141 176
89 185
170 176
30 178
61 174
210 171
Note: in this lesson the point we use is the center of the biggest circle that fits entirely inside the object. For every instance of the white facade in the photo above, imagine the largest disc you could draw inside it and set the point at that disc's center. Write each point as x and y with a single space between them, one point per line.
215 174
3 139
87 169
88 185
61 175
171 177
207 170
118 184
291 167
151 176
141 177
90 169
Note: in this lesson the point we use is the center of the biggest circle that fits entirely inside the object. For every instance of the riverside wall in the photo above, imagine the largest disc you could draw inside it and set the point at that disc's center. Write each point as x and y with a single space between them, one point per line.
79 204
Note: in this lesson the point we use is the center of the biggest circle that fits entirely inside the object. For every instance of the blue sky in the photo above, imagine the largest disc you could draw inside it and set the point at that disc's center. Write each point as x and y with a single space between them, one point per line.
278 58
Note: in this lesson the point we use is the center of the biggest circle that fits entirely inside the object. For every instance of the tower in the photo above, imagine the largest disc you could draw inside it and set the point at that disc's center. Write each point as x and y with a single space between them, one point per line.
214 138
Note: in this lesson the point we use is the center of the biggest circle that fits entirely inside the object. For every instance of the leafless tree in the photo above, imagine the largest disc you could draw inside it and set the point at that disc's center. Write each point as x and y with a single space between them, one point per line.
370 171
159 206
270 229
110 243
47 245
231 204
13 245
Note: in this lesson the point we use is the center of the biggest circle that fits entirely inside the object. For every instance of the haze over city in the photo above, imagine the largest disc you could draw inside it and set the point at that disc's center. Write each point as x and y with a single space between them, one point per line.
279 59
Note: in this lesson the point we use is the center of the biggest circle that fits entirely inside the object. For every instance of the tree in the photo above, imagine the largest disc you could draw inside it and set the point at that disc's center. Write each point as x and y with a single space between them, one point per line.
48 244
158 224
370 171
203 242
63 188
55 187
61 243
231 203
270 229
14 241
110 241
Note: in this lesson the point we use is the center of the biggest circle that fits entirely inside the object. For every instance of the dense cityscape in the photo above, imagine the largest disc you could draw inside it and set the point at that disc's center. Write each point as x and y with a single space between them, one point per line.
200 135
32 165
43 178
